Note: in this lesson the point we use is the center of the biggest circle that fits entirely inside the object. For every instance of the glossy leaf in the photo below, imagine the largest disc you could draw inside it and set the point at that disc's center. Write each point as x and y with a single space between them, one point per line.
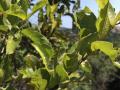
102 3
105 47
41 44
103 24
111 14
15 10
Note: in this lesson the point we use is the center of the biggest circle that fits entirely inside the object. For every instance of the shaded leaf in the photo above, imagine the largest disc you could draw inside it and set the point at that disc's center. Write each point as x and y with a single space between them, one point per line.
54 80
84 44
86 19
5 4
70 62
25 4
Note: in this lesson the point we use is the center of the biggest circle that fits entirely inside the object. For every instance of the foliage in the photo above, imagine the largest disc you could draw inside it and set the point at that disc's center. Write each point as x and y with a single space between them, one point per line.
41 56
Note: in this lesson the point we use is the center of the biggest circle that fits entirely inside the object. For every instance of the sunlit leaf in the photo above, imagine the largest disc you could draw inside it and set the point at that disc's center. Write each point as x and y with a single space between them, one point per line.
41 44
12 44
1 9
105 47
103 24
102 3
38 6
111 14
85 66
36 79
117 18
1 75
15 10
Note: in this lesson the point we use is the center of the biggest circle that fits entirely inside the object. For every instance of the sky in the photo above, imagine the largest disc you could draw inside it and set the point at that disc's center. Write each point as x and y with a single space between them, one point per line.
67 21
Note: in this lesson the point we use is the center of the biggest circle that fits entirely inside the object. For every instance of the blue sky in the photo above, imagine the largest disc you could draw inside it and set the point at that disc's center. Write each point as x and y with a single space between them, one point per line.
67 21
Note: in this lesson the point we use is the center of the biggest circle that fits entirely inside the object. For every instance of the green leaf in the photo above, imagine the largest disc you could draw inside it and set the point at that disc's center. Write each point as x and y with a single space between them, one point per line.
117 18
12 44
31 61
105 47
111 14
5 4
54 80
86 66
1 9
41 44
103 24
16 10
4 28
85 42
7 23
61 72
102 3
37 7
72 49
70 62
25 4
117 64
86 19
1 75
36 79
